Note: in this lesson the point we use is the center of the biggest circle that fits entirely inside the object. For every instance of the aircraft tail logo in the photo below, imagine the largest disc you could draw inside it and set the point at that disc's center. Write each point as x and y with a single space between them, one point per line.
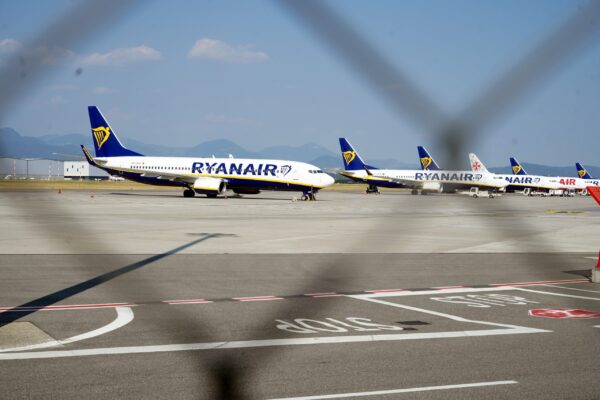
582 172
425 162
349 156
101 134
516 169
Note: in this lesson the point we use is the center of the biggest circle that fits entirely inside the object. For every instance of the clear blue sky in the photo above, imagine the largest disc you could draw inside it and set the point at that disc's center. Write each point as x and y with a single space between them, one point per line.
191 71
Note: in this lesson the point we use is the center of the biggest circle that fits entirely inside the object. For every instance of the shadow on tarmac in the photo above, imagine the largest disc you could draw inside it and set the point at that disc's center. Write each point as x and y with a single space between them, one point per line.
33 306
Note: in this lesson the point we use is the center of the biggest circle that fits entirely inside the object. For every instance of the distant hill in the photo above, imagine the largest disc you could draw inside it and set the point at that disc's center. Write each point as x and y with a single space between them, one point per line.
64 147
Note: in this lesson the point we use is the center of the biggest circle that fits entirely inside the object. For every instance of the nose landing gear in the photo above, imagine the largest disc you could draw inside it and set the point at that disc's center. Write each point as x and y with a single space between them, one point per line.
309 196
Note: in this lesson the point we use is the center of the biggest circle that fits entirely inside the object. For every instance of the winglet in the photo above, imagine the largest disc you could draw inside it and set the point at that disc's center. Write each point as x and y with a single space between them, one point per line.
88 156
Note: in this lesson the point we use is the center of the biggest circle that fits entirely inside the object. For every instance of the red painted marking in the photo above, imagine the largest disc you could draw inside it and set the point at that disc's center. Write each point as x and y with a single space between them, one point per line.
66 307
385 290
190 301
258 298
563 313
540 282
332 294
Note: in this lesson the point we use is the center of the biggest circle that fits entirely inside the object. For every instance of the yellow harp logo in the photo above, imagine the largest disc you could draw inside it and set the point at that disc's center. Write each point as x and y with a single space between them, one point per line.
349 156
101 135
582 172
425 162
516 169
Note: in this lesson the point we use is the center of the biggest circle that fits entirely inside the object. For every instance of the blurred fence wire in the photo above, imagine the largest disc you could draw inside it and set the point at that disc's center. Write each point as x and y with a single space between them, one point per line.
455 134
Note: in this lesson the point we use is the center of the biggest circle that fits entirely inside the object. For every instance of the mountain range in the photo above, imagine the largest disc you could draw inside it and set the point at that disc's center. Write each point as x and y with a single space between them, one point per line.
67 147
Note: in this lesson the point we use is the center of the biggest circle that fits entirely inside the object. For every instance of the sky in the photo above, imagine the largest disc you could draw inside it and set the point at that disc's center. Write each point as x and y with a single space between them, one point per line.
180 73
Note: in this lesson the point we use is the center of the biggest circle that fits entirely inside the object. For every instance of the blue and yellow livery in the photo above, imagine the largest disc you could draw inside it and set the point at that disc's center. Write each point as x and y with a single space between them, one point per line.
209 176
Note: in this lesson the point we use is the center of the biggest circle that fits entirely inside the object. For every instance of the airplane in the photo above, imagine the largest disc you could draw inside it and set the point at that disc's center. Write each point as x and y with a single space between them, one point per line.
427 162
418 180
564 183
518 182
208 176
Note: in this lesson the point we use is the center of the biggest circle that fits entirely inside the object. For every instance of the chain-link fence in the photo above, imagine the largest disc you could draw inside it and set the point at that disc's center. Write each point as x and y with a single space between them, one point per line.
453 133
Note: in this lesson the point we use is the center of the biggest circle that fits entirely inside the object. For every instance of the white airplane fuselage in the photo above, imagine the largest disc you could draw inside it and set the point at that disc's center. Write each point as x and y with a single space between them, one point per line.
210 174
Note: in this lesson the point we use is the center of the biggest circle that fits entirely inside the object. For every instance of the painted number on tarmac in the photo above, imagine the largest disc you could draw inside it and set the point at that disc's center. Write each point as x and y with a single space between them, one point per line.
485 300
350 324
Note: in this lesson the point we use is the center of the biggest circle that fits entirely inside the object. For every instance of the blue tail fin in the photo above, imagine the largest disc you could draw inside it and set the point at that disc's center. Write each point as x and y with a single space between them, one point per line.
582 172
352 161
106 142
427 162
516 167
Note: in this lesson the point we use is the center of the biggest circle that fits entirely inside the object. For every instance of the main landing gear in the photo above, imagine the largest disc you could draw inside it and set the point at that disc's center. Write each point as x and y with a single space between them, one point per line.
372 189
189 193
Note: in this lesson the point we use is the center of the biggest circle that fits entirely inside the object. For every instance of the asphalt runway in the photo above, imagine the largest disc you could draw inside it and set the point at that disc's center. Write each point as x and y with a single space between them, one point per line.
298 300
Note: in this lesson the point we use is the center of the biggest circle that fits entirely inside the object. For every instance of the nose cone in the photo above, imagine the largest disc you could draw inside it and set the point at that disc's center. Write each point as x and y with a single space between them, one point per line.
326 180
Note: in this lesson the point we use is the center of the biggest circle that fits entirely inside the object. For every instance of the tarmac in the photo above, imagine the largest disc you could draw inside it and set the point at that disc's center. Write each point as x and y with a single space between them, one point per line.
142 294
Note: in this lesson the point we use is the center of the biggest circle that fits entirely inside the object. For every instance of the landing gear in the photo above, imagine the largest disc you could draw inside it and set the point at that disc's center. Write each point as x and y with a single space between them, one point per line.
309 196
414 192
188 193
372 189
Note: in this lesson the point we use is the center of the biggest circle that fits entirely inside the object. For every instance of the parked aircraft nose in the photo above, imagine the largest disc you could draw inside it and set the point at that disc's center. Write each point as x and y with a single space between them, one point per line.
326 180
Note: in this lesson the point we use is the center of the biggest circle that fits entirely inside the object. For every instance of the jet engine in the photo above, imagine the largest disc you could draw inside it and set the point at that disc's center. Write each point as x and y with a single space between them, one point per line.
433 186
209 186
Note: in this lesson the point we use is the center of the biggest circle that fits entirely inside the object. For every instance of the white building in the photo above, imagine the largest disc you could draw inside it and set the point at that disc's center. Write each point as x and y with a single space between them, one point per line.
76 169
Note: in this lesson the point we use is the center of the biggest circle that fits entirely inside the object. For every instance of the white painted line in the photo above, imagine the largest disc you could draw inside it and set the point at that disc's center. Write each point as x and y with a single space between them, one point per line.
384 290
399 391
124 316
260 343
331 294
558 294
572 288
258 298
434 291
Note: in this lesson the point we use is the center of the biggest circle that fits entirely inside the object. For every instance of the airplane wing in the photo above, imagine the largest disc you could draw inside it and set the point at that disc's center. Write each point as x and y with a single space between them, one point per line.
170 176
